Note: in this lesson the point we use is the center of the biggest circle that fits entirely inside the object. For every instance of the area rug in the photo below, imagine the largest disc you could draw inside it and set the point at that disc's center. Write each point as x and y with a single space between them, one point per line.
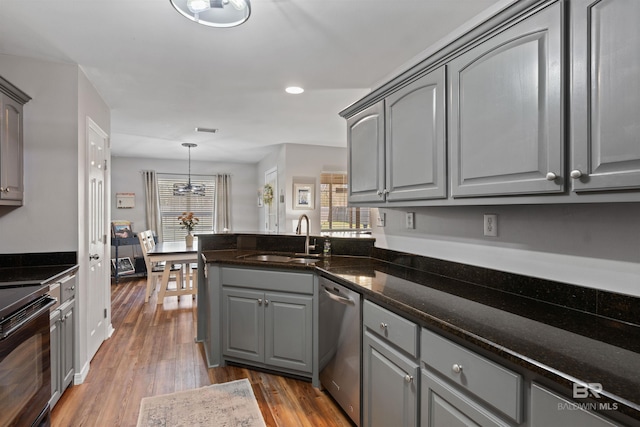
229 404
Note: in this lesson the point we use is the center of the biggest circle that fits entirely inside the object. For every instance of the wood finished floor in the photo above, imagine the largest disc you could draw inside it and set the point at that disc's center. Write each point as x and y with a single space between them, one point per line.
153 352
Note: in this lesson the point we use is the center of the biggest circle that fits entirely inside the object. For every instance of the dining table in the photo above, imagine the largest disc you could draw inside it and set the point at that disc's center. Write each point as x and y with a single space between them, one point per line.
174 253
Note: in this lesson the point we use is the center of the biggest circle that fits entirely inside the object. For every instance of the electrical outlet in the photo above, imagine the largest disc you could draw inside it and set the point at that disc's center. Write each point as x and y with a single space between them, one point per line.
491 225
410 223
380 219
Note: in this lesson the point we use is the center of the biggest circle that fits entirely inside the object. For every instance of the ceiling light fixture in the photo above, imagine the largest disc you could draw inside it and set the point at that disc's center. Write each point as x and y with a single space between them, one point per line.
294 90
214 13
180 189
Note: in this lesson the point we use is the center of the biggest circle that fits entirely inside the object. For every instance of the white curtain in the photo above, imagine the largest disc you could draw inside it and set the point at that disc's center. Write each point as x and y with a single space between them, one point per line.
152 203
221 206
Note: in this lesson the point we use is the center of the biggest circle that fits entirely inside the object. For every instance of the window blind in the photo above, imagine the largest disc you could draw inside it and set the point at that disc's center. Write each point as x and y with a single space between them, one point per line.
173 206
335 215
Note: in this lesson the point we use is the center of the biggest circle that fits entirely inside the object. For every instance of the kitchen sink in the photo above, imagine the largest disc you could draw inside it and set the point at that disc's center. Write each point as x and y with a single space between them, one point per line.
298 259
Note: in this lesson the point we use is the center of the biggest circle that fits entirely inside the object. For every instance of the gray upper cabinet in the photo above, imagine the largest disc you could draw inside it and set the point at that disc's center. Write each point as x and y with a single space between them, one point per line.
11 144
605 134
505 121
365 138
415 143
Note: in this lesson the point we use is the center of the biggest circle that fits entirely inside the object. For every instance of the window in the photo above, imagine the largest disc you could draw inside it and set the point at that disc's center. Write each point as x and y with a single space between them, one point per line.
334 213
173 206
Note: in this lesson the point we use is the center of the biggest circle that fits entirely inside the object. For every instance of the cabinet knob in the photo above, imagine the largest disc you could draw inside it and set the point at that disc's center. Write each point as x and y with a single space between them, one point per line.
266 302
383 326
551 176
408 378
576 173
379 193
94 256
385 191
259 301
456 368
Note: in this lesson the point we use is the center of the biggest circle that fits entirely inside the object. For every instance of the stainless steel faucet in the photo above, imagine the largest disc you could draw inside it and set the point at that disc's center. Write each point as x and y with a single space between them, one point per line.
306 241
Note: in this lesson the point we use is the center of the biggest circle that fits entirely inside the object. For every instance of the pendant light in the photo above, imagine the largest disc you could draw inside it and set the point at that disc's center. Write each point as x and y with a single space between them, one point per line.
214 13
180 189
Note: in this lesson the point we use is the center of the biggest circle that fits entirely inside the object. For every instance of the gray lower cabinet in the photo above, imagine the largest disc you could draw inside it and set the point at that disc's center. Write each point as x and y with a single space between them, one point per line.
460 385
62 346
390 374
365 163
505 120
270 329
605 95
551 410
444 406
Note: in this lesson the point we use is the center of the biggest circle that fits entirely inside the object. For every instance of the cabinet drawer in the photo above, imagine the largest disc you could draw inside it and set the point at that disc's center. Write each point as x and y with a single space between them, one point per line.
391 327
67 288
487 380
301 283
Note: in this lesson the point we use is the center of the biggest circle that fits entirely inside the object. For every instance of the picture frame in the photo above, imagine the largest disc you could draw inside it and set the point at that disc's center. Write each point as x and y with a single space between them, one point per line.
121 229
303 196
123 266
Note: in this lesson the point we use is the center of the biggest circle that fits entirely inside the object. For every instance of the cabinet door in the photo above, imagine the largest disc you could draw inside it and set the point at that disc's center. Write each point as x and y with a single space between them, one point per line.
505 124
67 331
442 405
289 331
54 337
365 138
243 324
390 386
551 410
11 151
605 102
415 142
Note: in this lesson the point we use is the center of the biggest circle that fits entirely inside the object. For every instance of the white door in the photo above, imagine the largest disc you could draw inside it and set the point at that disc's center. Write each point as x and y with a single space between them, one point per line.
98 279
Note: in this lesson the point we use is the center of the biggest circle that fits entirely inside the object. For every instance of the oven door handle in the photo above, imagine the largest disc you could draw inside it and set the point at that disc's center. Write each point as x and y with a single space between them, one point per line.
8 332
338 298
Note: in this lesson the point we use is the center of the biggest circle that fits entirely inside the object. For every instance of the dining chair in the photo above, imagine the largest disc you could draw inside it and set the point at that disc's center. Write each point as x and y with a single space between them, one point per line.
156 269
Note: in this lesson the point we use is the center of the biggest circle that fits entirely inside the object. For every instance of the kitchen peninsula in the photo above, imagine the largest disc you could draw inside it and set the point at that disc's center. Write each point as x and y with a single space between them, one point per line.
559 342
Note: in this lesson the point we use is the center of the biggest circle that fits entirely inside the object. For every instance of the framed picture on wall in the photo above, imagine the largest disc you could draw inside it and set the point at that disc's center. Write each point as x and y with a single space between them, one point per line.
303 196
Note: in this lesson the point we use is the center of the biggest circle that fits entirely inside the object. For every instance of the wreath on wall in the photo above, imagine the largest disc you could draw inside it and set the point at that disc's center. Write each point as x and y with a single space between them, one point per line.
267 194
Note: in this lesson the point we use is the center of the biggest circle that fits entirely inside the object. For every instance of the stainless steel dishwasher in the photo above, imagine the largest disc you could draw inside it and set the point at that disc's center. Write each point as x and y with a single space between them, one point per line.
340 348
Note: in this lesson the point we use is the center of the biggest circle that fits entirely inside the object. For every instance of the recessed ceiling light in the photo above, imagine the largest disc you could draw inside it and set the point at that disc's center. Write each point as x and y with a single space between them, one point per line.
294 90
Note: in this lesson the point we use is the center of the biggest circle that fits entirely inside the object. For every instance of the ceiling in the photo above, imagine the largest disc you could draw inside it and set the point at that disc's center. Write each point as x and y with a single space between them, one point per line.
163 75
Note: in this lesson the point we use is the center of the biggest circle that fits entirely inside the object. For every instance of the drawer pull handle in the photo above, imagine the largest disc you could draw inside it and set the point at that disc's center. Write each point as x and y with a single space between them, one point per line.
456 368
408 378
383 326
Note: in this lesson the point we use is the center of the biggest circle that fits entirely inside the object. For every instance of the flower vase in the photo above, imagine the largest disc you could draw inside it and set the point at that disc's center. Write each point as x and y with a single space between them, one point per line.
189 239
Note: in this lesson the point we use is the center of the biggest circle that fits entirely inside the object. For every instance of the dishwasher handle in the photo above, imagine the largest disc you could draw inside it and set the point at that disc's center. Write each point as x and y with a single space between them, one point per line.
338 298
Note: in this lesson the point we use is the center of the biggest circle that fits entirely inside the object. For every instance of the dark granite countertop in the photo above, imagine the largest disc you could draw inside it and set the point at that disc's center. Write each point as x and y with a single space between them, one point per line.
559 344
25 277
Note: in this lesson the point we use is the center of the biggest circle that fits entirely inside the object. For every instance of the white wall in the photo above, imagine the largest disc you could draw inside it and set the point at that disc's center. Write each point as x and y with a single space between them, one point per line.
48 221
592 245
126 177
